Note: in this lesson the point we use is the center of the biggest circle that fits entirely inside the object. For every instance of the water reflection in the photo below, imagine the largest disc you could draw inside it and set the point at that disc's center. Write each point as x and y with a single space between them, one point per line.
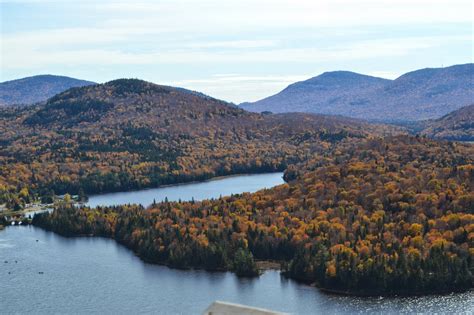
198 191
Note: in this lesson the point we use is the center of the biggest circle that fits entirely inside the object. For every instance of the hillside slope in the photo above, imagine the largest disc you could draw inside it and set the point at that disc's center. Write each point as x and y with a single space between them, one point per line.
417 95
128 134
458 125
35 89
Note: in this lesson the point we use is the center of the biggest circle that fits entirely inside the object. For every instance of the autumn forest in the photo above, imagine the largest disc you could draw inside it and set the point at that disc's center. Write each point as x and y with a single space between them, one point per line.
366 208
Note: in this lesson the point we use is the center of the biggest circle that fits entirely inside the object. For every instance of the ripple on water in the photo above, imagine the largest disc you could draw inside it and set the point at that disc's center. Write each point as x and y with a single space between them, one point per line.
6 243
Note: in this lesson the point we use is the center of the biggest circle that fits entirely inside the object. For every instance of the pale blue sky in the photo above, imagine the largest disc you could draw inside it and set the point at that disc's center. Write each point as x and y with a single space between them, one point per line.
234 50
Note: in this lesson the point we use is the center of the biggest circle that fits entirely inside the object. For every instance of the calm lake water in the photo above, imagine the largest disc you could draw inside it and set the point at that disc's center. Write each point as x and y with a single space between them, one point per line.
204 190
41 272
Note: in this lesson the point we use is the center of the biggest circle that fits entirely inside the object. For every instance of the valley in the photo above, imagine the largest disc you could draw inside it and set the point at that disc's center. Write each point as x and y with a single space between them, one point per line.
366 208
131 134
236 157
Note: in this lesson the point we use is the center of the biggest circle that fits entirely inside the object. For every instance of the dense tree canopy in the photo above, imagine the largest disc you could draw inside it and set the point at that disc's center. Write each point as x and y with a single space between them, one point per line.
360 213
383 216
130 134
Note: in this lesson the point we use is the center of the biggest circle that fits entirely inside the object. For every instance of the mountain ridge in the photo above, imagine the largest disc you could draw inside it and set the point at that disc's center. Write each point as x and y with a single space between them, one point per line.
418 95
38 88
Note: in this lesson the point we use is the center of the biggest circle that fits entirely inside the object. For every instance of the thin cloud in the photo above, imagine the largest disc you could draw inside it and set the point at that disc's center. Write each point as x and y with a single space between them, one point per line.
20 56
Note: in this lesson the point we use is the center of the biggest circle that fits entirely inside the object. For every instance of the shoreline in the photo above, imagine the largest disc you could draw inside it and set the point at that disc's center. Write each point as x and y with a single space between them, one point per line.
387 295
271 265
265 265
211 179
35 207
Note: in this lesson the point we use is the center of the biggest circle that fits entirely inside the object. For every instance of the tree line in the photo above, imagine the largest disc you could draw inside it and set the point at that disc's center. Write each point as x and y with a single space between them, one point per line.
384 216
130 134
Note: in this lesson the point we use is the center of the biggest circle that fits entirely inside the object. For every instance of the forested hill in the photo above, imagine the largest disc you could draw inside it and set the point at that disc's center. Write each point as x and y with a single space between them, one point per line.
130 100
458 125
129 134
334 92
376 216
418 95
36 89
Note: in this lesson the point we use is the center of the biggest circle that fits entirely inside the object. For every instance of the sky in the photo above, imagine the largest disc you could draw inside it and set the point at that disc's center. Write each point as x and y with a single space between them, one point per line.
235 50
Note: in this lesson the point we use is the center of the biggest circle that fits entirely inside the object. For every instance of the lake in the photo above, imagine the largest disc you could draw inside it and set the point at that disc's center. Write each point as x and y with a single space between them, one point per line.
203 190
42 272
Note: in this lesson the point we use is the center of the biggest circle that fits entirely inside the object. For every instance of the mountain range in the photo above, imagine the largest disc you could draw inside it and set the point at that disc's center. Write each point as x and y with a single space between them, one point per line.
419 95
36 89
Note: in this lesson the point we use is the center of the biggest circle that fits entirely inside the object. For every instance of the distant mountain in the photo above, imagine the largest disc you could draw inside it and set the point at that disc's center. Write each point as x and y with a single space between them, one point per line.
417 95
331 93
36 89
458 125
